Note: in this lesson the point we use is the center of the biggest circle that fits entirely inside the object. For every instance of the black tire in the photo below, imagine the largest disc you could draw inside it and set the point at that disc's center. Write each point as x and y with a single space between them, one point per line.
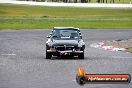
81 56
81 80
48 55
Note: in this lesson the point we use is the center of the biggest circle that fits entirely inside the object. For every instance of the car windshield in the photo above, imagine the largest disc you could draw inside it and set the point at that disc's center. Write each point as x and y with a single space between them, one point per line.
65 34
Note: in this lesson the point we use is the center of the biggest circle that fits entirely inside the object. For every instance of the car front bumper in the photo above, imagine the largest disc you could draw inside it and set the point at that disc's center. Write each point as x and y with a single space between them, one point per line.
67 52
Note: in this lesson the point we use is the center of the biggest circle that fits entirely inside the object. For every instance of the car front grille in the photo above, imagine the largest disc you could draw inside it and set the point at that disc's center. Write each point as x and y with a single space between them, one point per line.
63 48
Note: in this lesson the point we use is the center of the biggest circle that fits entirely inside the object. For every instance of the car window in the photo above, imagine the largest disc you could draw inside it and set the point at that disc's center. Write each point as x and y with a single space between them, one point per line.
66 33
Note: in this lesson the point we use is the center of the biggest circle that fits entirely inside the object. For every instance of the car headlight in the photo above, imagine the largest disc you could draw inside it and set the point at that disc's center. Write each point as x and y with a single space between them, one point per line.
80 44
50 44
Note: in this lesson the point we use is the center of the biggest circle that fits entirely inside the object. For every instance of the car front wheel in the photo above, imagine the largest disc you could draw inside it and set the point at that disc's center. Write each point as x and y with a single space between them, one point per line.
48 55
81 56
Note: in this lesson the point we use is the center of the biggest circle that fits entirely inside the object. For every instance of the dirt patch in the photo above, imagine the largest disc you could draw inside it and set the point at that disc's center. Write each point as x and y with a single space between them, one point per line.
122 43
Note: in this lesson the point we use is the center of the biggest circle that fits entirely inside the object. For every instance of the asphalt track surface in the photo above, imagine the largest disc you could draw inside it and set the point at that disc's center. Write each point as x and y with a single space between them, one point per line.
23 63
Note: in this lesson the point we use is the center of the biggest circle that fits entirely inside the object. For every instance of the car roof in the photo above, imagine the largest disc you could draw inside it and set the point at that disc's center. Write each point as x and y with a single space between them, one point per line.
65 28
